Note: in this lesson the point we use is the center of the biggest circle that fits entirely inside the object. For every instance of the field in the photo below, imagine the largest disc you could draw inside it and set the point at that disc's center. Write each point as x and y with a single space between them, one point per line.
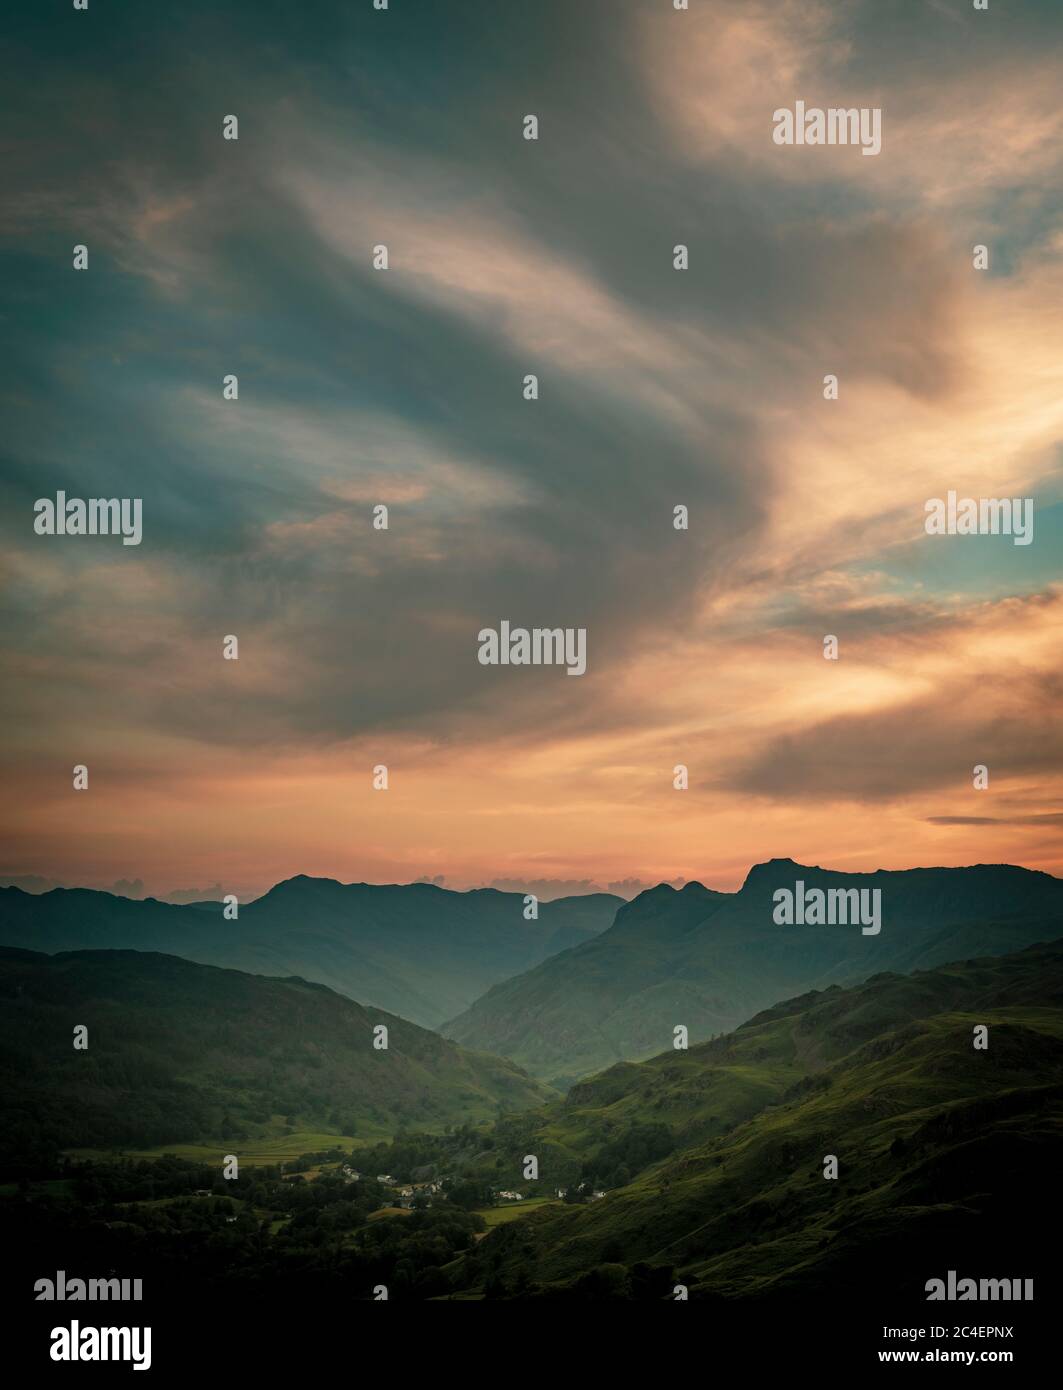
281 1149
498 1216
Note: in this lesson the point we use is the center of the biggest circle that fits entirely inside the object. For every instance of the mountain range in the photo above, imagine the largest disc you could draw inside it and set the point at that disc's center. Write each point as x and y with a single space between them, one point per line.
708 960
417 950
593 980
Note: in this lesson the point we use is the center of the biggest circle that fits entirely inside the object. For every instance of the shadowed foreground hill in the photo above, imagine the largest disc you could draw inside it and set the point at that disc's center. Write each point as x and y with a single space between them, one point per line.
948 1157
180 1052
711 960
417 950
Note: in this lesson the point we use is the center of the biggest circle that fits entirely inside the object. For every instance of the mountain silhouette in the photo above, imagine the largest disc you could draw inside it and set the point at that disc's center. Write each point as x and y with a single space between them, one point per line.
418 950
708 961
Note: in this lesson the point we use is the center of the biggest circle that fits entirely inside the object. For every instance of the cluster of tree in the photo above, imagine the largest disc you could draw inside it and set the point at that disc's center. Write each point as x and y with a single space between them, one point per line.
502 1268
478 1161
620 1159
172 1222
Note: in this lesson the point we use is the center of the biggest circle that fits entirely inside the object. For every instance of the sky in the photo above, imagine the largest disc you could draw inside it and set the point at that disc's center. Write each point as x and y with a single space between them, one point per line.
658 388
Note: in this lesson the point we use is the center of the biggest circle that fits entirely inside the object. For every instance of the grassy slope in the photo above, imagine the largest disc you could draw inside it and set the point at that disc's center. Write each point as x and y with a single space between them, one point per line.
261 1152
946 1153
180 1052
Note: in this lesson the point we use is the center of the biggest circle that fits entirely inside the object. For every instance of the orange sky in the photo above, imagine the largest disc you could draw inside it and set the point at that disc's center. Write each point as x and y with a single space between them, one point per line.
658 387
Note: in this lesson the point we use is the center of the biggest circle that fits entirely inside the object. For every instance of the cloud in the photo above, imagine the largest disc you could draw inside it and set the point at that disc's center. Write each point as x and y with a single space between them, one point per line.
927 725
128 888
30 883
657 388
213 894
953 143
632 887
1054 819
545 889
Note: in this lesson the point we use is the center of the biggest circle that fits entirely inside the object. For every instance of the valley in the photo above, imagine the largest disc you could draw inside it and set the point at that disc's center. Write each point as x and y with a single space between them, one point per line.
701 1168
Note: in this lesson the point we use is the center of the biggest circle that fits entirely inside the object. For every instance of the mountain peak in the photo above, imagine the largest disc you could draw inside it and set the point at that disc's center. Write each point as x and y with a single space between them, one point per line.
777 869
298 883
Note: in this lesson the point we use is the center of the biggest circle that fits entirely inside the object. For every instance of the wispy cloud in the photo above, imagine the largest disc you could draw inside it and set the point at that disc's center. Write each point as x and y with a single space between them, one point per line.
657 388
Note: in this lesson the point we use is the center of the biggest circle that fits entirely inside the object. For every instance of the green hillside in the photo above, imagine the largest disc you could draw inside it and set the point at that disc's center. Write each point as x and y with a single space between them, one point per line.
711 1158
710 960
418 950
181 1053
946 1153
